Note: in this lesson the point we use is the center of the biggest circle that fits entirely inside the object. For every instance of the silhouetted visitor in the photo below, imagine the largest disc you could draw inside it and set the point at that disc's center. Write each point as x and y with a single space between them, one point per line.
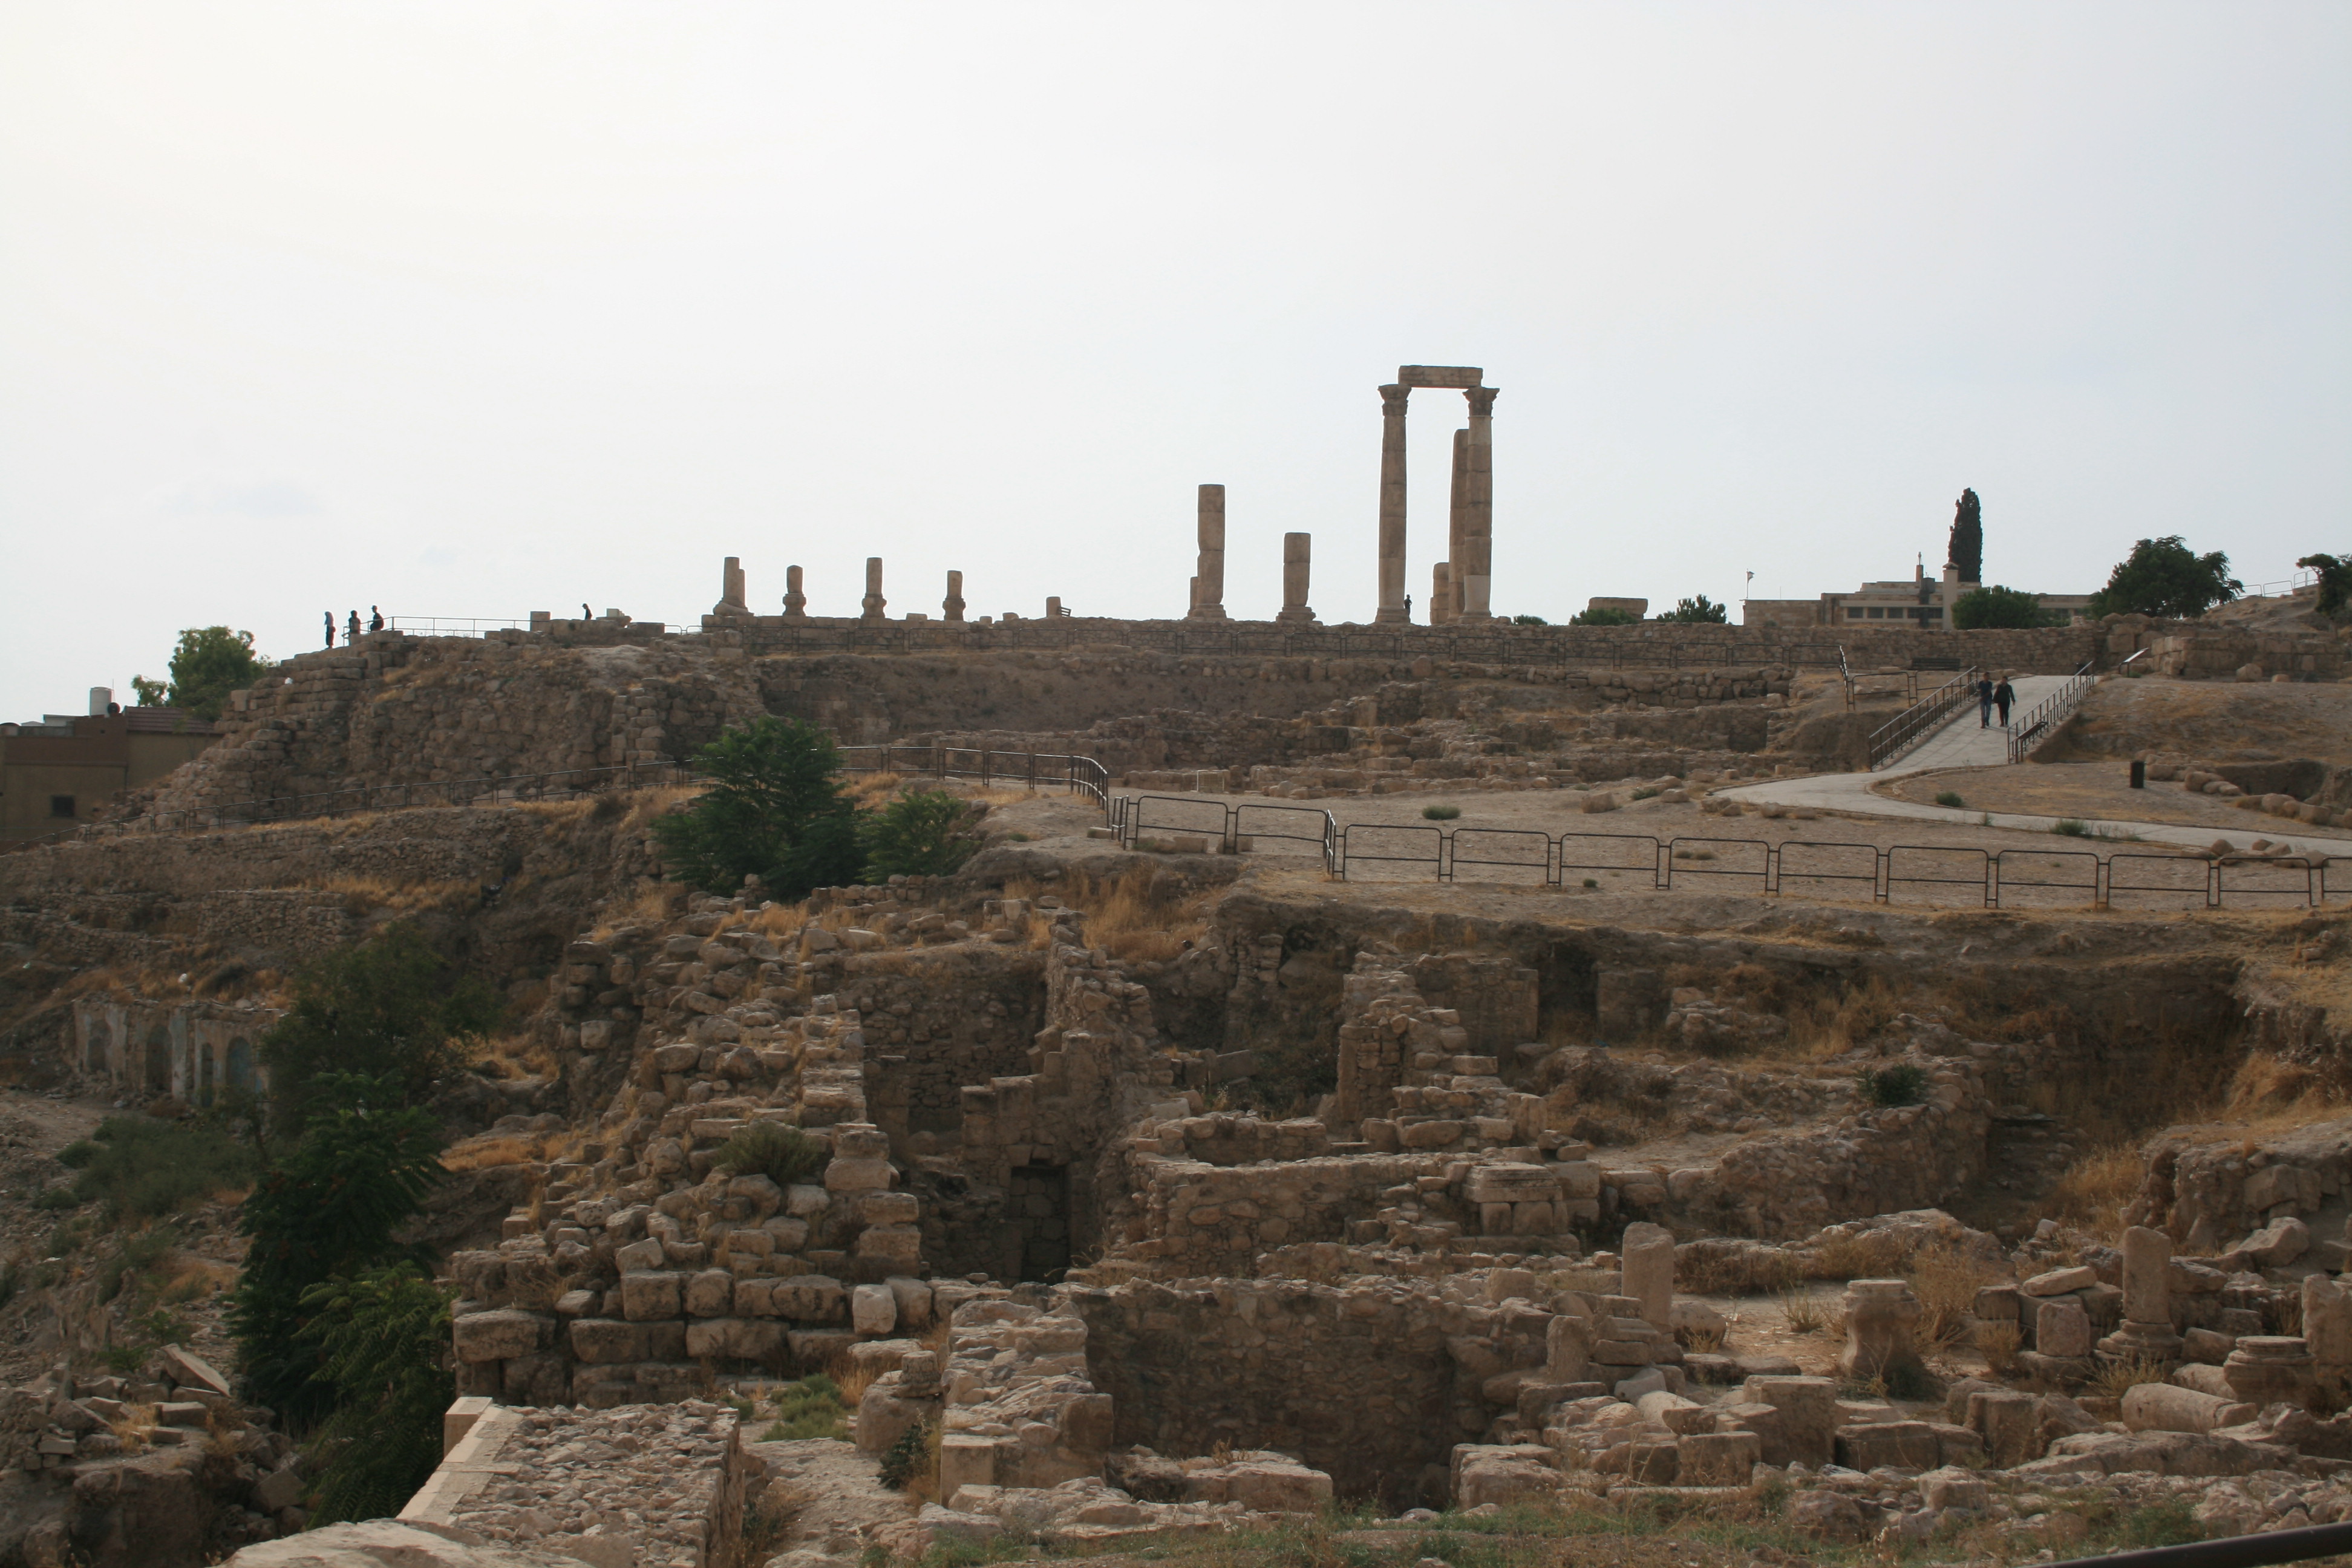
1984 703
584 611
376 618
352 631
331 628
2003 696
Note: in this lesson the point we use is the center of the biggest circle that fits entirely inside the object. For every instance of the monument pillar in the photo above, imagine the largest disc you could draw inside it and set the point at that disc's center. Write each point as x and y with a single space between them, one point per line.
795 602
1441 593
1294 561
1473 568
951 607
1208 578
1455 518
1393 499
731 589
874 601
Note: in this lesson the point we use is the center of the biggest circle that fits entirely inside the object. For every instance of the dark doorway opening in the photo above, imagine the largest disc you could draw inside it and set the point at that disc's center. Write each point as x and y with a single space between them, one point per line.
1038 1204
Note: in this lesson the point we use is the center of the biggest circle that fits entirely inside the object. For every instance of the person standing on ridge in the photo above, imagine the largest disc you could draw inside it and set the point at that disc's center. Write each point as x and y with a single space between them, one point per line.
351 629
2004 696
376 618
331 628
1984 702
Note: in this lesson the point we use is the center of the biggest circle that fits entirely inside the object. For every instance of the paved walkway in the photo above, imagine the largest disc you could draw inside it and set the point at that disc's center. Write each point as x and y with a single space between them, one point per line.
1961 744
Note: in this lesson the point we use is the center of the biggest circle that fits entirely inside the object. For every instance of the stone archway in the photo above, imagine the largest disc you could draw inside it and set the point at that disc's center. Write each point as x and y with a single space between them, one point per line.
156 1074
202 1050
1466 575
240 1076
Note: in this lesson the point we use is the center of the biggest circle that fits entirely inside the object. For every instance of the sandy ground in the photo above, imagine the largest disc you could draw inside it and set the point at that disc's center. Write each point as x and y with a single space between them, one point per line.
2100 789
1941 865
2216 720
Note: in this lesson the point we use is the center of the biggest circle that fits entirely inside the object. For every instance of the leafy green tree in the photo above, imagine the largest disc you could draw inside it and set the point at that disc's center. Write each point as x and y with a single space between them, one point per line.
1966 550
209 663
2162 577
2334 581
391 1007
1697 612
381 1342
330 1207
1529 621
1607 615
923 833
1997 606
773 809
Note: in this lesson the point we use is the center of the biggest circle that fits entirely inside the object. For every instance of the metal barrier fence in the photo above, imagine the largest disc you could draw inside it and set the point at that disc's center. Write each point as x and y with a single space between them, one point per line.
1921 719
1801 867
1033 770
1230 824
1007 769
2037 724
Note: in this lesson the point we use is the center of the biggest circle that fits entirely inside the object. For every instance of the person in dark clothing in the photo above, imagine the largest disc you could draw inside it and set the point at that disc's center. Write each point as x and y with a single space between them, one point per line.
2004 696
351 629
376 618
331 628
1984 702
584 611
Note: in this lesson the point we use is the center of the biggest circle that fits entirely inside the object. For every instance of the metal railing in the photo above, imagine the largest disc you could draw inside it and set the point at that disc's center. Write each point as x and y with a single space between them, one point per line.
2256 1551
2016 877
2037 724
1922 718
1033 770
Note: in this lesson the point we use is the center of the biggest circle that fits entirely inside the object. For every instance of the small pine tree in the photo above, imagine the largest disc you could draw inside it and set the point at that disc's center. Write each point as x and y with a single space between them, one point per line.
382 1342
329 1208
1966 549
773 809
923 833
1699 611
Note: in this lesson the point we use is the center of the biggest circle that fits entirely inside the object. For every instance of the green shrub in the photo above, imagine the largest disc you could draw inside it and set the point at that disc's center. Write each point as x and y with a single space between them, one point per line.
1648 793
1951 797
140 1168
1440 812
1591 881
784 1154
773 809
1905 1083
2171 1522
908 1458
2072 827
922 833
1604 617
812 1407
391 1007
383 1344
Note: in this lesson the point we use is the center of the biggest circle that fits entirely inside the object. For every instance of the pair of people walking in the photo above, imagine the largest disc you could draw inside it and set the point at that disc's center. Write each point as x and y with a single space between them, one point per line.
1990 696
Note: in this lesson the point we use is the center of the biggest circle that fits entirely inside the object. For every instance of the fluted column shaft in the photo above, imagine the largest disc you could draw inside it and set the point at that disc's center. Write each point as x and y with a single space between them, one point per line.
1474 570
1392 505
1209 573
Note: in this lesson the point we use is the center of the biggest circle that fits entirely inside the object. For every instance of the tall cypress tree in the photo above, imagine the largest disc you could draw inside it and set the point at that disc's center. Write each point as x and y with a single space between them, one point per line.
1966 550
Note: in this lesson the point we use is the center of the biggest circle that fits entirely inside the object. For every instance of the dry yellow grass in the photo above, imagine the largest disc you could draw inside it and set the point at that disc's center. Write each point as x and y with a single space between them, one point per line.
570 810
1947 1280
1869 1255
2114 1377
2092 1193
1999 1343
1803 1313
1126 920
384 893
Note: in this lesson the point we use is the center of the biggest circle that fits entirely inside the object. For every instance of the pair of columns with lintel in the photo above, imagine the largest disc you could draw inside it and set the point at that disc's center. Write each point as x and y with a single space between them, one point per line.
1461 584
1209 571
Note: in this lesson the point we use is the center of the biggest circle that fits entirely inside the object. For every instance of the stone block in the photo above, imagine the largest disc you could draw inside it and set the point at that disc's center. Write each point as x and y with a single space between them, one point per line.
2166 1407
605 1342
648 1295
890 1208
1718 1459
710 1293
898 1245
2061 1281
1903 1445
187 1367
1503 1474
810 1298
640 1256
869 1175
914 1298
735 1339
1808 1407
496 1335
2061 1328
2010 1423
873 1309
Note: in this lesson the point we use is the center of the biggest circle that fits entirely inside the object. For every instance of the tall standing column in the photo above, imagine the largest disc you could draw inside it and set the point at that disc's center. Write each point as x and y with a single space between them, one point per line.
795 602
1295 562
1441 593
1208 574
874 600
1454 514
1475 568
951 607
731 589
1392 400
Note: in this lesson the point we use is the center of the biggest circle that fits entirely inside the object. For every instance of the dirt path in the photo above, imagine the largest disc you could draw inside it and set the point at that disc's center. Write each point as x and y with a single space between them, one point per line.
827 1494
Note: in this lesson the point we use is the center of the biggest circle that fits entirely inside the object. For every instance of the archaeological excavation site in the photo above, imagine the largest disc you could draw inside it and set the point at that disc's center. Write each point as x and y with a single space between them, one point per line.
1328 1094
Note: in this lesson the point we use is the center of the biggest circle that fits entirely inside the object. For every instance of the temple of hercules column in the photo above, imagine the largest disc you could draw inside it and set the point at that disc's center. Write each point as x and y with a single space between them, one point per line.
1460 584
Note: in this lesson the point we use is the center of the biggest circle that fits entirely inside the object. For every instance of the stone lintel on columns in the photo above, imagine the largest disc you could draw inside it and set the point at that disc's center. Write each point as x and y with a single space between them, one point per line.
1445 375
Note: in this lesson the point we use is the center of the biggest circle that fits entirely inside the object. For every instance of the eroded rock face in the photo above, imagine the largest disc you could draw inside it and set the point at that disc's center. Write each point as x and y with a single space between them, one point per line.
389 1543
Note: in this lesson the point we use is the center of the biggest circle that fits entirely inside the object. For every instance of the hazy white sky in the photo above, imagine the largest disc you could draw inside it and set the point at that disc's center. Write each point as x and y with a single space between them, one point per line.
468 309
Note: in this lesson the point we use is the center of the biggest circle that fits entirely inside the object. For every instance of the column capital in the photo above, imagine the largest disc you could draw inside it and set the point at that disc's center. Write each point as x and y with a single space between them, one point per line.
1392 400
1481 400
